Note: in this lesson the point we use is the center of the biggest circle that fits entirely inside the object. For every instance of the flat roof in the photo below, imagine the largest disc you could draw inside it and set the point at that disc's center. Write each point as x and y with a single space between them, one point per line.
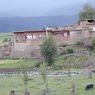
36 31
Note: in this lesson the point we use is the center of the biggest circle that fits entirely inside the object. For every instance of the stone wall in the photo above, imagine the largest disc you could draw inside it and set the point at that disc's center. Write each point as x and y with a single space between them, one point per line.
5 50
31 48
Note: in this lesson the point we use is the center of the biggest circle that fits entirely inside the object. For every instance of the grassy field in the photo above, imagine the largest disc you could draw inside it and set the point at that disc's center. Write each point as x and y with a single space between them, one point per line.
3 36
9 63
57 85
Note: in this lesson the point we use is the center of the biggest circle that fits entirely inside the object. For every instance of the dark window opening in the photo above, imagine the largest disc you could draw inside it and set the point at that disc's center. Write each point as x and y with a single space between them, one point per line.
90 21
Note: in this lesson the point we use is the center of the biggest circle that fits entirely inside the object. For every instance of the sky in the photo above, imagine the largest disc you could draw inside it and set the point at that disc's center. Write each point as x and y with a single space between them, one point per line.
40 7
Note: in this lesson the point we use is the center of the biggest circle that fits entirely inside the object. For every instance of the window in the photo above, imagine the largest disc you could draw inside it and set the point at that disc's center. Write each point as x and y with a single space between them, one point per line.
93 28
29 37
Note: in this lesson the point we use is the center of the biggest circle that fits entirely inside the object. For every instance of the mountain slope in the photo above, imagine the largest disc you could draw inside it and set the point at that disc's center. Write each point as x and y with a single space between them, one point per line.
32 23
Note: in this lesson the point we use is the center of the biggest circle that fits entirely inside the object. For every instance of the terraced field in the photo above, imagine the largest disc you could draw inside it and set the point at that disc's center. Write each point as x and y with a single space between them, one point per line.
5 36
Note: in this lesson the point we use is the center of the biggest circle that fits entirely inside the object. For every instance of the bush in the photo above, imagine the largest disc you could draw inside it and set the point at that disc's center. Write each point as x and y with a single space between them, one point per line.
63 45
93 42
66 51
5 40
38 64
79 43
90 47
70 51
63 52
49 50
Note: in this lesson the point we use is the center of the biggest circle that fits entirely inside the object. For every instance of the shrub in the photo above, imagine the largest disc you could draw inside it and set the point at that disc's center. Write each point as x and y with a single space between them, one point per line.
63 45
38 64
5 40
63 52
93 42
49 50
70 51
79 43
89 47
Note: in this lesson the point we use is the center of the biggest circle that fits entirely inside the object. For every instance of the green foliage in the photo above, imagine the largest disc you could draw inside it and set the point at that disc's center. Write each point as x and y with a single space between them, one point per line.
93 42
63 45
49 50
70 51
66 51
38 64
57 87
5 40
90 48
63 52
13 64
5 36
88 12
79 43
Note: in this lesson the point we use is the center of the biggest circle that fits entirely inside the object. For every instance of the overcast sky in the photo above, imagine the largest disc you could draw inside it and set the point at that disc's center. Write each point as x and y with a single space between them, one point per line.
38 7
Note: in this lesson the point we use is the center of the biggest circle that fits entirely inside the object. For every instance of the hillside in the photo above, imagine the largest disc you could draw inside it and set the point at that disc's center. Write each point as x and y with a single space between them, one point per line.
9 24
5 36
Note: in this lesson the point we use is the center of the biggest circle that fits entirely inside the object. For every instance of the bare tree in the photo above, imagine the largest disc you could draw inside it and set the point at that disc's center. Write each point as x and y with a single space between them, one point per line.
43 72
25 77
73 89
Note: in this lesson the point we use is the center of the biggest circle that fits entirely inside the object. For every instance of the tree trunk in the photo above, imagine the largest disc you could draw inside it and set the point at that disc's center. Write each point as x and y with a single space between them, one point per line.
26 93
73 89
45 91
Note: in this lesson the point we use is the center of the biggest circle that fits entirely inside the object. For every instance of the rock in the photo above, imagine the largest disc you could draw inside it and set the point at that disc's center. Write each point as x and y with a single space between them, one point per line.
12 92
89 86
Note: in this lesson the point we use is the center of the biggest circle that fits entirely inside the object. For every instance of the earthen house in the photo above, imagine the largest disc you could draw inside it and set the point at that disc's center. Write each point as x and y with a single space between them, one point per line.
27 43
